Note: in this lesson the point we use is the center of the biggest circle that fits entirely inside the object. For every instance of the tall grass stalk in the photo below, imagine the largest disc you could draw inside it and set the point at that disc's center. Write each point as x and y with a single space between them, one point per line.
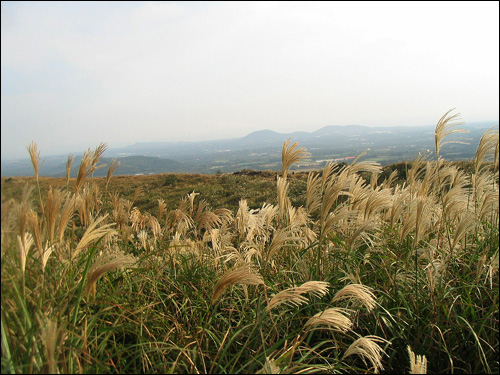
163 285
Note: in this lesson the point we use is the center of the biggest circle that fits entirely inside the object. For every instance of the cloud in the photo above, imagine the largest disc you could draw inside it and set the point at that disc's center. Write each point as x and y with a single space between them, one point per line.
141 71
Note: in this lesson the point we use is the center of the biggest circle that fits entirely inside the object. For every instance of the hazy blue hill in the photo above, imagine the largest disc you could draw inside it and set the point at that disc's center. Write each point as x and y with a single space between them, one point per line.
130 165
261 135
261 139
334 130
56 166
262 150
143 164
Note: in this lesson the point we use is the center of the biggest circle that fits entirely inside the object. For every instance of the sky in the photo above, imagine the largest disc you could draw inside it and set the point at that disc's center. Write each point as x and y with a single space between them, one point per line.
75 74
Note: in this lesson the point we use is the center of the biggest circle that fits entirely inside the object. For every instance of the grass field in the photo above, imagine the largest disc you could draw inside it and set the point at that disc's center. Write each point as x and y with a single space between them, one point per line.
346 269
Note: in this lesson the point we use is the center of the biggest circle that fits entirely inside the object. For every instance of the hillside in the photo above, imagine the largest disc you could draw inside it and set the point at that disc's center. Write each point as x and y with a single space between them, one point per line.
261 150
254 271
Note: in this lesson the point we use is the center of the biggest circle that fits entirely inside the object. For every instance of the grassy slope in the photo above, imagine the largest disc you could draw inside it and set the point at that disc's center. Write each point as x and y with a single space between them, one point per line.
436 288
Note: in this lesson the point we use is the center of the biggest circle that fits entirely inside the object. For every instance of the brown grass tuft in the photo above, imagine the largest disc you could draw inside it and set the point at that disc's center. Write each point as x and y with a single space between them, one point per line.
69 163
291 155
445 127
487 150
35 157
93 233
24 246
418 364
107 262
368 349
358 292
294 296
111 169
270 367
334 318
244 275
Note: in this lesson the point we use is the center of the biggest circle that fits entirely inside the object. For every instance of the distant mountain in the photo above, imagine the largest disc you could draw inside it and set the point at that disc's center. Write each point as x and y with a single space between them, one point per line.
262 150
129 165
260 137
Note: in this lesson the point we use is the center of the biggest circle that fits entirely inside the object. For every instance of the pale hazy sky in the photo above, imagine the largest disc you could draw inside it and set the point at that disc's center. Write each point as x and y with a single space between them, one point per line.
75 74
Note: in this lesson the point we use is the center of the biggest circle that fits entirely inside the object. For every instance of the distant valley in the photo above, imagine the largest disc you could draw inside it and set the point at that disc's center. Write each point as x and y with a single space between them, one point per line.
261 150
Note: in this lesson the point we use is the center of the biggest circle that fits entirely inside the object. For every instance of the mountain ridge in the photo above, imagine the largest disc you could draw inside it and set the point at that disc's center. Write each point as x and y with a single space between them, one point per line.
262 150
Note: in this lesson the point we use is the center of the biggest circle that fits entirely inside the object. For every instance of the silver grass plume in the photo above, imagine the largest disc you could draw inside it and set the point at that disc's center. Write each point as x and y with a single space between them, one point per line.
294 296
368 349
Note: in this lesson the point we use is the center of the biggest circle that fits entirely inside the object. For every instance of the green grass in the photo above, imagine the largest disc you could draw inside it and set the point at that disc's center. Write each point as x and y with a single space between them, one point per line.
433 293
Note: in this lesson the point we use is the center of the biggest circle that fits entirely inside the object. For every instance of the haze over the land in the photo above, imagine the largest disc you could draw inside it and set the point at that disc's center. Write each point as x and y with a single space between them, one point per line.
74 74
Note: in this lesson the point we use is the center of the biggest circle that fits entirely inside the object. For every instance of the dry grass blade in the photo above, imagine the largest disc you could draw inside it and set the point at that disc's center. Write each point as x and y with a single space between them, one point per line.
24 246
36 230
445 127
208 220
283 200
488 146
105 263
368 349
225 215
92 233
358 292
334 318
99 150
340 214
291 155
465 225
329 173
365 166
50 337
35 157
7 221
138 219
294 296
387 183
88 164
162 209
270 367
112 168
155 227
422 218
84 170
244 275
333 190
365 231
49 249
313 195
376 201
280 238
69 163
418 364
52 205
492 268
22 210
35 160
66 214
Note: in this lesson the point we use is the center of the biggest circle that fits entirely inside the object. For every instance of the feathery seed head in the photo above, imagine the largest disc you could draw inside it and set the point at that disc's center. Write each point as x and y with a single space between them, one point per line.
35 157
294 296
291 155
243 275
112 168
418 364
270 367
24 246
445 127
358 292
94 232
487 150
107 262
368 349
334 318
